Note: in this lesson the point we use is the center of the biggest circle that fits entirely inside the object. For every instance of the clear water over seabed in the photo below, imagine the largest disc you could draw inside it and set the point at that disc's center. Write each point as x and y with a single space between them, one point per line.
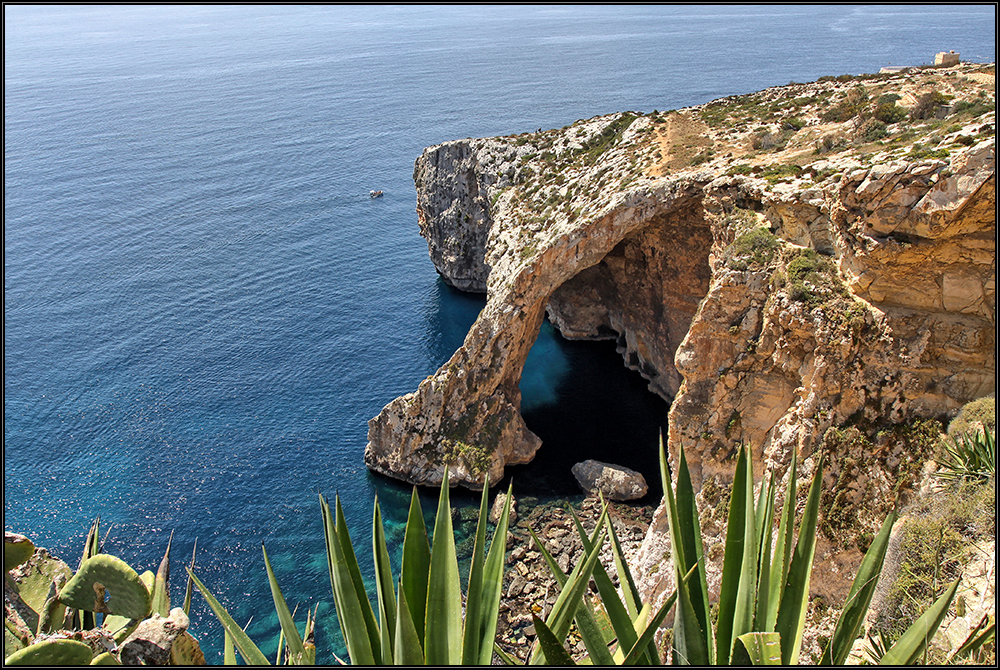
202 305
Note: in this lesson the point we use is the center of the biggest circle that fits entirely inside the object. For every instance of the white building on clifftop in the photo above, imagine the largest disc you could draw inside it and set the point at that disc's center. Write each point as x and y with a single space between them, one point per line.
946 59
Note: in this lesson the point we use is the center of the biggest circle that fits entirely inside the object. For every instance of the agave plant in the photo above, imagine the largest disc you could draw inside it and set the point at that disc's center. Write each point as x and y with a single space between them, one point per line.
418 623
56 605
764 592
970 456
625 622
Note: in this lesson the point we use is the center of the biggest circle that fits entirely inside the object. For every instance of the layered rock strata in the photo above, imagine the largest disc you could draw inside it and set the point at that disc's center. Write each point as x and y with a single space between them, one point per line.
768 293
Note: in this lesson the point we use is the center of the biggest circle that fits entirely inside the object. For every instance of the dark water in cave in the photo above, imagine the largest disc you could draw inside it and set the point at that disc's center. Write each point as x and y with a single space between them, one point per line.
598 409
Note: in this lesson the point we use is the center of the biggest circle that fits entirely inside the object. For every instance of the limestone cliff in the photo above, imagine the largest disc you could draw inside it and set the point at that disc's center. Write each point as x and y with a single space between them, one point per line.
774 264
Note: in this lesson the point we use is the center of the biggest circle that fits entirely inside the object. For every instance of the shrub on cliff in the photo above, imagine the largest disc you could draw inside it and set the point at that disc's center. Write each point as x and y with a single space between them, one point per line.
757 246
982 411
937 540
927 105
871 130
889 112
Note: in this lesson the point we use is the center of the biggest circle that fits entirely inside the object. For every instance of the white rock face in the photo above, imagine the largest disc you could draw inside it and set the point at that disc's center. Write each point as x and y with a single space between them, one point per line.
616 482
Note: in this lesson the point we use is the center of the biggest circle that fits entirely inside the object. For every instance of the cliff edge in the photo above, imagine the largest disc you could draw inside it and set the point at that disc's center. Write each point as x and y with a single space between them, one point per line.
776 265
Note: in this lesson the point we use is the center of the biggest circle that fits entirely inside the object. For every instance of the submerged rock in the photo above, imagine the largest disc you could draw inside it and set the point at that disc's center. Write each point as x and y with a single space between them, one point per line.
616 482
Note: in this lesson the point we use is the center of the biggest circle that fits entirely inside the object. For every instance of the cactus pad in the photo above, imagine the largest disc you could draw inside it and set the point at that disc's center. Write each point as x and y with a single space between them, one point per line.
16 550
186 651
107 584
52 652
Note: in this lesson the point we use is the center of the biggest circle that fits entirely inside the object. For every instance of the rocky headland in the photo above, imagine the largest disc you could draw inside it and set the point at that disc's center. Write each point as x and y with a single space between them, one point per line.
810 267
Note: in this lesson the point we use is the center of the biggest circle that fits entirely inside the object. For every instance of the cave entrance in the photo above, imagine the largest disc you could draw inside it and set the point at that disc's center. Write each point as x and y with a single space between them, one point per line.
636 303
579 398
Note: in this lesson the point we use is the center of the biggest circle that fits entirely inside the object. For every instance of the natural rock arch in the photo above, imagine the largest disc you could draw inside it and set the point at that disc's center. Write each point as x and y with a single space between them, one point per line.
635 272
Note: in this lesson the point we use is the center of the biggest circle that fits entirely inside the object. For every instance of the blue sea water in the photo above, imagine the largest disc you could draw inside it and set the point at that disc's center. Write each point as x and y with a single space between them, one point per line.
202 306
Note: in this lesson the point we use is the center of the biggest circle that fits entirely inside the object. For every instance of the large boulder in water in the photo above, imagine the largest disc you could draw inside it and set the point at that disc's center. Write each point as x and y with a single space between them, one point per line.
614 481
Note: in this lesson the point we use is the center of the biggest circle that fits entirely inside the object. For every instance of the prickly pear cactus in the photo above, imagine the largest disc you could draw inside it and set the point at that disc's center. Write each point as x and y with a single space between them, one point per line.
186 651
52 652
107 584
16 550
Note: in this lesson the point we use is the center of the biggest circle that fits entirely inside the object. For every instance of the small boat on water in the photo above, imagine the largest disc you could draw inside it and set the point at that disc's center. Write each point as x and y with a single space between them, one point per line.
375 194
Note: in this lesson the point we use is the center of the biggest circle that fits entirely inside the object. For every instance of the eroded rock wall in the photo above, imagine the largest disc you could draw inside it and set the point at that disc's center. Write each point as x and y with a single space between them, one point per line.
875 301
643 294
467 413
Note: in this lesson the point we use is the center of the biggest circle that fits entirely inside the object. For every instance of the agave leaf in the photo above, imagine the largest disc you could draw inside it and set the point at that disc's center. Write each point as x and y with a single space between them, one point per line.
416 565
645 640
795 599
406 644
504 657
690 645
346 598
91 547
782 548
590 631
281 646
309 640
859 598
642 645
757 648
384 585
351 563
443 627
555 653
601 618
473 609
693 641
593 637
190 585
638 625
566 605
492 584
160 594
618 615
633 601
250 652
288 628
765 517
229 650
629 589
739 578
983 633
912 643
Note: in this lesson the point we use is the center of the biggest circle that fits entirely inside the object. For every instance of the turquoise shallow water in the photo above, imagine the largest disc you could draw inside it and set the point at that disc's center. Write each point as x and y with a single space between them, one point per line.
203 308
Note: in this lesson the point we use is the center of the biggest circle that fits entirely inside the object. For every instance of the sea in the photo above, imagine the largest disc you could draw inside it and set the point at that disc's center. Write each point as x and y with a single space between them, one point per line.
203 307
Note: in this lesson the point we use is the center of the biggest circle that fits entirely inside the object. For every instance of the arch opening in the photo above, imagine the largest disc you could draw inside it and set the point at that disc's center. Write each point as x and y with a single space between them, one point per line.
637 303
584 404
